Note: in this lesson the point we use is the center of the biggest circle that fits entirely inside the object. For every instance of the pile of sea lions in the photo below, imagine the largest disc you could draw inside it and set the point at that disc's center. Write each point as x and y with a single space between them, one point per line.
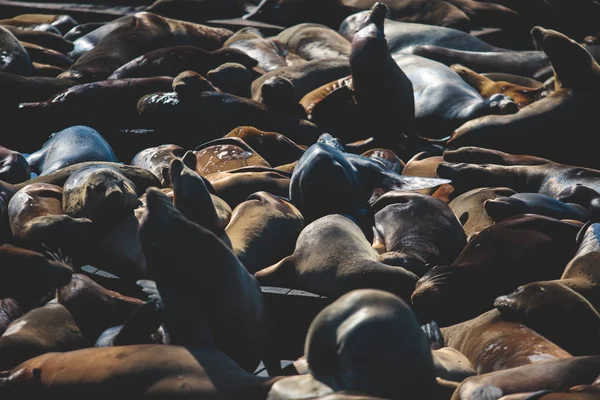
286 199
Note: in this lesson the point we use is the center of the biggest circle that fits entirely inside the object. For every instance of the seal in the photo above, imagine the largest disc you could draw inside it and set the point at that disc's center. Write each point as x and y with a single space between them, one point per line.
274 147
552 376
70 146
37 219
493 344
482 268
16 59
157 160
171 61
13 166
577 77
144 32
470 210
43 330
99 193
222 155
237 322
82 294
534 203
277 94
260 222
343 353
573 323
232 78
329 181
418 228
333 257
45 70
486 87
29 276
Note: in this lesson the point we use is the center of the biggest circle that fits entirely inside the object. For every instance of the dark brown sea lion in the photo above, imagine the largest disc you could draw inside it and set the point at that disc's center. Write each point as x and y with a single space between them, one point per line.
535 247
534 203
99 193
16 60
343 261
269 52
46 329
264 221
110 103
36 217
558 313
553 376
13 166
95 308
9 311
344 353
63 23
274 147
577 78
29 276
189 83
139 34
493 344
43 55
237 324
277 94
237 185
305 77
171 61
157 160
28 89
470 210
418 228
486 87
70 146
48 40
232 78
314 41
222 155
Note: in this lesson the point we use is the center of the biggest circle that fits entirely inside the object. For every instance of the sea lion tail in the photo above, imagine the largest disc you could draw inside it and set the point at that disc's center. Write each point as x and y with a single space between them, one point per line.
280 274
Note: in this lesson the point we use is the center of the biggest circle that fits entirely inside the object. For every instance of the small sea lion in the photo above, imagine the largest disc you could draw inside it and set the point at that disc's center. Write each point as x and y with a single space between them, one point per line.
534 203
232 78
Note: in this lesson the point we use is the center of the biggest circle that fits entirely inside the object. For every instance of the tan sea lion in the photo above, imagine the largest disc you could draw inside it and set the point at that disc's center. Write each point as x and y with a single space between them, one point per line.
157 160
222 155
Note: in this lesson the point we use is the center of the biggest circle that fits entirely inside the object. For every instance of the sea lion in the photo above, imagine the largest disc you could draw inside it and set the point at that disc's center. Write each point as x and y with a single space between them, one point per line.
577 77
274 147
343 353
493 344
314 41
43 55
552 376
143 32
46 329
237 185
13 166
328 181
110 103
9 311
45 70
82 296
82 29
305 77
453 293
232 78
417 227
169 111
237 326
343 262
222 155
62 23
486 87
171 61
557 312
270 53
189 83
15 60
28 276
70 146
48 40
514 79
157 160
534 203
470 210
277 94
387 157
36 218
260 222
474 167
100 193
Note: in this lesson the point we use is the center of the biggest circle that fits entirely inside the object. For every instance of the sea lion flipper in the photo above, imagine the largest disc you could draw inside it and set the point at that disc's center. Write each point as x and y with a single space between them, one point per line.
280 274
